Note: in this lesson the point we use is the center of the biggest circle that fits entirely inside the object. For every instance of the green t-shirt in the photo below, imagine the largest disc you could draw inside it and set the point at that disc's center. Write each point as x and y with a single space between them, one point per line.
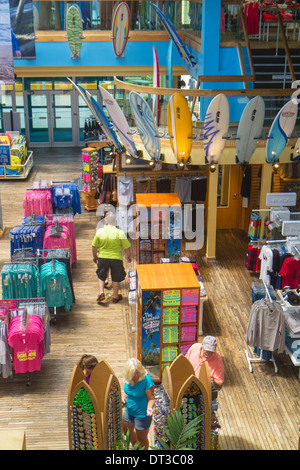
110 242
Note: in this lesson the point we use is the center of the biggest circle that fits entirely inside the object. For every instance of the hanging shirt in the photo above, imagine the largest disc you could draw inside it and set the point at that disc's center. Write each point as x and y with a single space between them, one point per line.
266 266
26 343
290 272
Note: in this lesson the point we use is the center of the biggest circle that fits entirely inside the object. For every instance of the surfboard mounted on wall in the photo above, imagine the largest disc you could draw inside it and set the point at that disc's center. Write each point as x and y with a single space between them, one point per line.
179 44
180 127
145 124
250 128
120 28
74 30
98 114
119 121
280 131
216 126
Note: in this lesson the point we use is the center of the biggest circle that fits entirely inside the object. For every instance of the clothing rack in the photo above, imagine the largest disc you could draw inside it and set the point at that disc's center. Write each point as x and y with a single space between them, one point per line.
260 358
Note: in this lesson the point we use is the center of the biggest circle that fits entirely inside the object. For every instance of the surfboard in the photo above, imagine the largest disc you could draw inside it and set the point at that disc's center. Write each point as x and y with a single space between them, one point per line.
296 151
249 128
169 74
74 30
180 46
180 127
98 114
216 125
120 28
155 85
281 129
145 124
119 121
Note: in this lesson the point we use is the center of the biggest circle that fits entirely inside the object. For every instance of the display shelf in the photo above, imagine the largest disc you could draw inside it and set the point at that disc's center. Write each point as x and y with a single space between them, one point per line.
159 227
23 170
168 313
90 176
94 409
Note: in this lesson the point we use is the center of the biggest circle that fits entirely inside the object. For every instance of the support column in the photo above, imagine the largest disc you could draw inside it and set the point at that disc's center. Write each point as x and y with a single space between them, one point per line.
211 231
266 186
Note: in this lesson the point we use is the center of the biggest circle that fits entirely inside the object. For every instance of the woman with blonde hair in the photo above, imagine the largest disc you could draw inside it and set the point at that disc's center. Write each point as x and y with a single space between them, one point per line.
139 401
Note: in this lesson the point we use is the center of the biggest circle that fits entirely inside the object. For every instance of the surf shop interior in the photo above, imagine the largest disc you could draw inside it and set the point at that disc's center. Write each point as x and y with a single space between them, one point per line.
227 179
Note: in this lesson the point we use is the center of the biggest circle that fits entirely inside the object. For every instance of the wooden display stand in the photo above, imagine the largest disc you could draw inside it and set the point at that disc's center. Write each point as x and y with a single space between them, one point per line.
90 177
168 313
191 395
105 420
159 228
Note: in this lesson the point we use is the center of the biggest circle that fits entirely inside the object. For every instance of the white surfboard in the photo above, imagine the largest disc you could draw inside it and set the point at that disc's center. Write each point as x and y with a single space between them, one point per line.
296 151
216 126
280 131
249 129
119 121
145 124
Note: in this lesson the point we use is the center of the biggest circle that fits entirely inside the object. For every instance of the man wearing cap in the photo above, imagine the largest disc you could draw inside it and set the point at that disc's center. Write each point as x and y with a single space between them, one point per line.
198 353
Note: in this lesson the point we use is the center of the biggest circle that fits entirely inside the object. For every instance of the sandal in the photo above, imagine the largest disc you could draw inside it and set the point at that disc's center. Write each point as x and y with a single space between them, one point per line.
115 301
100 298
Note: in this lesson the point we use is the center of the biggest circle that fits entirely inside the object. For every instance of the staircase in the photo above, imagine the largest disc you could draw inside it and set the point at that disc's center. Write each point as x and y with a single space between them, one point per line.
272 72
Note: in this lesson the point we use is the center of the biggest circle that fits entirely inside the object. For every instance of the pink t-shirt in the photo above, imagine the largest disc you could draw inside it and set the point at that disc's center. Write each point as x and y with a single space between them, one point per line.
215 362
27 345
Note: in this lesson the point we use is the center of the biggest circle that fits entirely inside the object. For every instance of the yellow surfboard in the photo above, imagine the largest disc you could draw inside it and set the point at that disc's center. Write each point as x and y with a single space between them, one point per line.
180 127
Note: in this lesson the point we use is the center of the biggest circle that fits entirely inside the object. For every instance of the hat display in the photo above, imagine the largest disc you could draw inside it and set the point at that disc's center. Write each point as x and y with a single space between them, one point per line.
210 343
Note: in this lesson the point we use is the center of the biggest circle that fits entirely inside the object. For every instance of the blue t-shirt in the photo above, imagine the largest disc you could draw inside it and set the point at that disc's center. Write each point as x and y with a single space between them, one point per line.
137 400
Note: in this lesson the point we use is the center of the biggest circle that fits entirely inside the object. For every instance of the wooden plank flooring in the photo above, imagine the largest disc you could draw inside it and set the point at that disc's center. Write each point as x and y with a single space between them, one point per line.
258 410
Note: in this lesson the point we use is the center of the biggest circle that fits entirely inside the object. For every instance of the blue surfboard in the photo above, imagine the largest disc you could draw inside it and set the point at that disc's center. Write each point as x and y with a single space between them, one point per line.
145 124
280 131
99 114
180 46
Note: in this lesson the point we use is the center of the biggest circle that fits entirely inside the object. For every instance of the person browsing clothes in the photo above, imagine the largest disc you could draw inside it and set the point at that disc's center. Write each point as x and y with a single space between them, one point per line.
198 353
138 398
107 246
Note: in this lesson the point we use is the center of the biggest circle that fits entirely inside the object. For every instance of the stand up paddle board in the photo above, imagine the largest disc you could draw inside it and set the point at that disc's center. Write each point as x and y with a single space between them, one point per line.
74 30
180 46
99 115
120 28
180 127
249 129
155 85
216 125
281 129
145 124
119 121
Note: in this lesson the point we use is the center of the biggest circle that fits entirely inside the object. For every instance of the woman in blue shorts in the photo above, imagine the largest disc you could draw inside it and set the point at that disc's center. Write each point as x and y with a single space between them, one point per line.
139 401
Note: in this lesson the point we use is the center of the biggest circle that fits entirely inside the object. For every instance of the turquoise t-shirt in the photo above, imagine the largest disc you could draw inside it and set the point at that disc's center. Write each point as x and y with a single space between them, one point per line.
137 400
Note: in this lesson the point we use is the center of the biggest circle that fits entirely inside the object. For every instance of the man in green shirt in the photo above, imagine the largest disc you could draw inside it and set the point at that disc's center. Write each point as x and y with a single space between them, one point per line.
107 246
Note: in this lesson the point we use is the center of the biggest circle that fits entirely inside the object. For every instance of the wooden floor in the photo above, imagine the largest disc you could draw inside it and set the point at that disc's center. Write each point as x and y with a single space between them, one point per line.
259 410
